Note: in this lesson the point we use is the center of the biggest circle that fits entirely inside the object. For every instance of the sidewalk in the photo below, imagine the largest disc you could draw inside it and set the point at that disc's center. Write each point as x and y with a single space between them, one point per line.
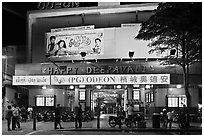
27 127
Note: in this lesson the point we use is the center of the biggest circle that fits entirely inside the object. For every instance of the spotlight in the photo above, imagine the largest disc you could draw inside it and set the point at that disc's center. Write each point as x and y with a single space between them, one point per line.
83 54
131 54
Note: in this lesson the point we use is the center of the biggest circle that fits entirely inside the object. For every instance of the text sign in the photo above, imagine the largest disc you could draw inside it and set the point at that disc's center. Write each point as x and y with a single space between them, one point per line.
31 80
110 79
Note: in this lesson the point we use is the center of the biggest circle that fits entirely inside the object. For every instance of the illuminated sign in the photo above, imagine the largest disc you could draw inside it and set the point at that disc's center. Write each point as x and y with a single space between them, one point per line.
72 43
110 79
31 80
103 68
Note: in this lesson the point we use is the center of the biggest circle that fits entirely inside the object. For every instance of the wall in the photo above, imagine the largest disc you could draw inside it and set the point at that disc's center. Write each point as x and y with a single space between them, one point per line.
37 91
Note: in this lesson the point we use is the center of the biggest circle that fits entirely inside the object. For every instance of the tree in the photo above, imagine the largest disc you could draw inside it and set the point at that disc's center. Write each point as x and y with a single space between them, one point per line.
176 26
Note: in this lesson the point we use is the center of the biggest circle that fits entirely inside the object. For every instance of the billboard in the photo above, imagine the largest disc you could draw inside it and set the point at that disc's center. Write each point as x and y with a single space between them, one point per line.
72 43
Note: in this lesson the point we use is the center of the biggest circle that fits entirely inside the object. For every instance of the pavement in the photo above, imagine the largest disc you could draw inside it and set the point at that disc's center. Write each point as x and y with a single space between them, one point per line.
27 127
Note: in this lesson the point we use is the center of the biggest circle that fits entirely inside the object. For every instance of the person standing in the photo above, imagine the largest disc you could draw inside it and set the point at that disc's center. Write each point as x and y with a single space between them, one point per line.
9 115
58 117
164 117
130 112
170 116
79 116
15 118
30 112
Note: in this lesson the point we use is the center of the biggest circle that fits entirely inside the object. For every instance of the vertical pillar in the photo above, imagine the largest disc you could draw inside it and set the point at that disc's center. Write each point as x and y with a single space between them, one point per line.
76 95
88 97
125 99
130 91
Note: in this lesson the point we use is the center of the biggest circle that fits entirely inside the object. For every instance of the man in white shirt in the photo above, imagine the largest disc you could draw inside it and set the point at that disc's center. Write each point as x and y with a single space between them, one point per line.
170 116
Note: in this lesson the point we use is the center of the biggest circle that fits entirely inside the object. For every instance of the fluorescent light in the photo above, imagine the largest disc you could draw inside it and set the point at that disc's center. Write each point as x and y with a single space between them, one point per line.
44 87
71 87
178 86
118 86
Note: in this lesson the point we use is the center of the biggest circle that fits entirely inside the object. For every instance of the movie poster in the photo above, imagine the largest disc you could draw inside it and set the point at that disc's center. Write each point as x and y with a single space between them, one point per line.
72 43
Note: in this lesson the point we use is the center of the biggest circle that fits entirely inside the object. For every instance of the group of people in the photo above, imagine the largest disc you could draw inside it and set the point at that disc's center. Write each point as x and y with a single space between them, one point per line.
14 114
78 117
168 117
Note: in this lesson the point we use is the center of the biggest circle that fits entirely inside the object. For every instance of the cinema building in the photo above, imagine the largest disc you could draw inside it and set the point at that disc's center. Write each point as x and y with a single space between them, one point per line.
96 61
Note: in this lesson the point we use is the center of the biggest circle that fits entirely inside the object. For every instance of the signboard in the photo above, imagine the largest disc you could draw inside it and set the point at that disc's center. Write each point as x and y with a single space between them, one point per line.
72 43
110 79
150 67
73 28
31 80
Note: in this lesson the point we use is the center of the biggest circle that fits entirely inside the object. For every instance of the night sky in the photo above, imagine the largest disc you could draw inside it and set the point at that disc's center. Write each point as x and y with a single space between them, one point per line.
14 20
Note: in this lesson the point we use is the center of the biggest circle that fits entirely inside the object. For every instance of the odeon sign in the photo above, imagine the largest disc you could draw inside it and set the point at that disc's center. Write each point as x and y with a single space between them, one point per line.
92 79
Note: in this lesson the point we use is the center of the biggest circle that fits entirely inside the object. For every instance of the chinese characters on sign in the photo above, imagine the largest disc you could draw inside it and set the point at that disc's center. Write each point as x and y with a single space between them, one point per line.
92 79
110 79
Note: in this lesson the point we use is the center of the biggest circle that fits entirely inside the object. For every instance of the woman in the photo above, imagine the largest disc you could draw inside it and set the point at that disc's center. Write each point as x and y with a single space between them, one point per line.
62 48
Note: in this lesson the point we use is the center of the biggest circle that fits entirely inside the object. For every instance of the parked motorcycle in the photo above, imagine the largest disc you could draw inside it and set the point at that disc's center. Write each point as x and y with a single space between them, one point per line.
113 121
66 117
39 116
130 122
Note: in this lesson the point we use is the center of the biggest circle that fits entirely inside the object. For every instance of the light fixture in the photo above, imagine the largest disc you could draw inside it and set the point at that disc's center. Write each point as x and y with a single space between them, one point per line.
147 86
178 86
136 86
71 87
44 87
118 86
98 86
131 53
83 55
82 86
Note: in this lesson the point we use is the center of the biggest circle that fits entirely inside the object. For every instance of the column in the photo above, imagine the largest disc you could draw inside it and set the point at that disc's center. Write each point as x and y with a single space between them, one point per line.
88 98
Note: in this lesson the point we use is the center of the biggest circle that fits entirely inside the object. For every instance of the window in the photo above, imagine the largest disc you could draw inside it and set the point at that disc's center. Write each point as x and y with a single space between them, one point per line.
82 95
45 100
149 97
172 102
136 94
40 101
177 101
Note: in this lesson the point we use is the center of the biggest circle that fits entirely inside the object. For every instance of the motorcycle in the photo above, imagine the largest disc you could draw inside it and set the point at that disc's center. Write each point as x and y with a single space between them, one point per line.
66 117
113 121
39 117
133 121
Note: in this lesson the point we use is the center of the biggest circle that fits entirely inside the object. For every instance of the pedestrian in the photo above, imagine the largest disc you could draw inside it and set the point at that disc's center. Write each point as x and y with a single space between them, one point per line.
9 115
23 113
30 112
164 117
58 117
170 117
130 112
79 116
15 118
184 116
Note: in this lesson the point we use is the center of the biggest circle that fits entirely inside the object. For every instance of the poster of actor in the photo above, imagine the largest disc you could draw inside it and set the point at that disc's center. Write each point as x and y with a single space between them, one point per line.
72 43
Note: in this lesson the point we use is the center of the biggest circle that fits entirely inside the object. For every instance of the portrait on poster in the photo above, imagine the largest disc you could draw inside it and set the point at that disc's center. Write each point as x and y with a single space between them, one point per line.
72 43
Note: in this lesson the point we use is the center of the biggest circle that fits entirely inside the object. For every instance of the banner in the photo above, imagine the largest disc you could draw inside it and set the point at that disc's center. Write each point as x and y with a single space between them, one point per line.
72 43
110 79
73 28
31 80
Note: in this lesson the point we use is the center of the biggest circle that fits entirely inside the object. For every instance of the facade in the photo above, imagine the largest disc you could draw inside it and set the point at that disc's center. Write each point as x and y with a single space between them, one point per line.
100 65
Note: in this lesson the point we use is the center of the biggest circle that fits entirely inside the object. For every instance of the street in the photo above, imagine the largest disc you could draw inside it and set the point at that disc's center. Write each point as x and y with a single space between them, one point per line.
90 128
